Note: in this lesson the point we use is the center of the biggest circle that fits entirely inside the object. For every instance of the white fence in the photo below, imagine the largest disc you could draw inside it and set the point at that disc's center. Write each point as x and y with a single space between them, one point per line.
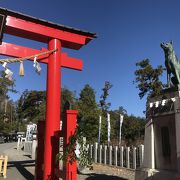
127 157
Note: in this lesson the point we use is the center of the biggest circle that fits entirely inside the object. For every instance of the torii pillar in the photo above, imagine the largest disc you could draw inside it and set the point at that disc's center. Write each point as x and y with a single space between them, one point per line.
53 110
55 36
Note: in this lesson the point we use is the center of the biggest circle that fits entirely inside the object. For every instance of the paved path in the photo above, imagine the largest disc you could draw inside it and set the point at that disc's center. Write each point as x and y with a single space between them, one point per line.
21 166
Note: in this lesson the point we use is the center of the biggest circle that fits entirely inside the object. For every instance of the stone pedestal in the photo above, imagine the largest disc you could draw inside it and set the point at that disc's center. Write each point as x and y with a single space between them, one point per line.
162 138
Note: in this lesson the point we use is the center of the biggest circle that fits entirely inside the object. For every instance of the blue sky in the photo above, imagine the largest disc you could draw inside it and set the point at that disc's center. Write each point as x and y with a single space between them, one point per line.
128 31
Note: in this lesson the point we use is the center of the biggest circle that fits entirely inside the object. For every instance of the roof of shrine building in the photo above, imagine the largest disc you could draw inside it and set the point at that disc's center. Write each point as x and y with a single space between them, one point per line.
46 23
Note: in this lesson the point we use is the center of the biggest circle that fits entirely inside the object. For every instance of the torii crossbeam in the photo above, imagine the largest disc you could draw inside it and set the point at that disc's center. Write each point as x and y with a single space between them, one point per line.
56 36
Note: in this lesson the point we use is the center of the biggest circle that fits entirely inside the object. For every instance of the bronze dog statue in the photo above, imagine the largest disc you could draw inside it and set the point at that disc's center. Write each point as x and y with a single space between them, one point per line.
172 64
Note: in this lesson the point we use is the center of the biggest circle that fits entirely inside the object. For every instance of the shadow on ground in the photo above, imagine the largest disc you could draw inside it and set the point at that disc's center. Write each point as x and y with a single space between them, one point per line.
21 167
95 176
27 155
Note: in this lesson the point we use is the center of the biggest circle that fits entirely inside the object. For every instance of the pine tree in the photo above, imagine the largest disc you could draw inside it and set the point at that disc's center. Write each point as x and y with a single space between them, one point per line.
147 79
88 113
103 99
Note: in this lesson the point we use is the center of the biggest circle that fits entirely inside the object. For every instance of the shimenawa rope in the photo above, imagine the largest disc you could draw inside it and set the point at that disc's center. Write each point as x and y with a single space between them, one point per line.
11 60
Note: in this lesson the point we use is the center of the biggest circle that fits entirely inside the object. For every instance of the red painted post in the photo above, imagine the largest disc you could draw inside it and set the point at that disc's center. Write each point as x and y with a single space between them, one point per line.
70 170
51 146
40 150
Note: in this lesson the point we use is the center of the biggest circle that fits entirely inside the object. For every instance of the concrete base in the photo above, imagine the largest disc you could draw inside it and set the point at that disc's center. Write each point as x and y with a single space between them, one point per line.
149 155
162 138
148 174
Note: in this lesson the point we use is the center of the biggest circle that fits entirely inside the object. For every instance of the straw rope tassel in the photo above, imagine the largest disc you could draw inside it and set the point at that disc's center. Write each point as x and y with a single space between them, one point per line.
21 69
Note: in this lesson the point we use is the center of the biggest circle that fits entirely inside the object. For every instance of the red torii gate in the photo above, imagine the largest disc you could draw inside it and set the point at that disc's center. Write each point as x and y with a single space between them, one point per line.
56 36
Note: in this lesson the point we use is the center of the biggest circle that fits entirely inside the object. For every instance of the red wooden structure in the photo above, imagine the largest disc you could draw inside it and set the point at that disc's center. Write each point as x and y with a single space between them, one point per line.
56 36
40 149
69 171
69 125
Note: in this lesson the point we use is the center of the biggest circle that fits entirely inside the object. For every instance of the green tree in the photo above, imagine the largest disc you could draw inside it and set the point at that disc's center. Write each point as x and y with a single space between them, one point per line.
7 109
147 79
103 98
88 113
67 95
104 105
132 128
31 106
120 110
6 85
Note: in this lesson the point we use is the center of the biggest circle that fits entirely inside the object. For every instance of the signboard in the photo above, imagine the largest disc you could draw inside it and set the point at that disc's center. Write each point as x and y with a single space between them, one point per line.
31 128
